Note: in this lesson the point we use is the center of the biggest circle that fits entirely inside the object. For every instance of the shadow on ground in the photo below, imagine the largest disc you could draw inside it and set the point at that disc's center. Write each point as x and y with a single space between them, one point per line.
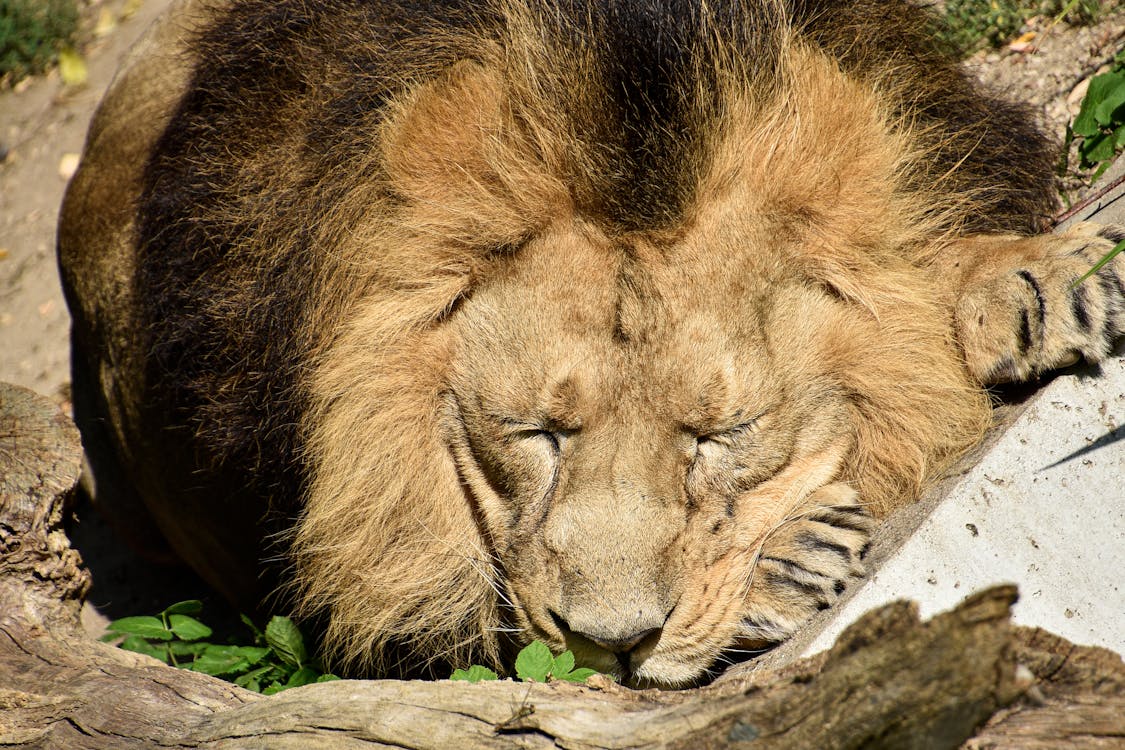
127 584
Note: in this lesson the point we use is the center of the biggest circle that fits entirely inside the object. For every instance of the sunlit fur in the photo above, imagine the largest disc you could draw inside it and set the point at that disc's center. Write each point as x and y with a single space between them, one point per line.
496 345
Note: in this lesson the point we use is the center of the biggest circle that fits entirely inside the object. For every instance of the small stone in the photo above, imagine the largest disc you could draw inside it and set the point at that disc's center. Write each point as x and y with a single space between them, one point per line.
68 165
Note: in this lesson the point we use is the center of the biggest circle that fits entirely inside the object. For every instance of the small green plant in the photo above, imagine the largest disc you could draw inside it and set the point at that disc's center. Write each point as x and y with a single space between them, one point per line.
1098 133
968 25
1099 128
276 661
475 673
33 32
534 663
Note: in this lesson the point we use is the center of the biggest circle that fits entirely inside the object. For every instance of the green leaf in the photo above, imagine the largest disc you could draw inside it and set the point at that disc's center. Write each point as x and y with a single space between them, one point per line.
188 628
1097 175
251 680
285 639
332 677
534 662
1114 98
563 663
218 664
475 673
144 626
303 676
188 607
1096 149
220 660
139 645
183 648
1101 87
578 675
252 654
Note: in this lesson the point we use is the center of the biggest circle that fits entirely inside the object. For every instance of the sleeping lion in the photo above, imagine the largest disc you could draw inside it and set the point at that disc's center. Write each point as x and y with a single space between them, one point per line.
618 325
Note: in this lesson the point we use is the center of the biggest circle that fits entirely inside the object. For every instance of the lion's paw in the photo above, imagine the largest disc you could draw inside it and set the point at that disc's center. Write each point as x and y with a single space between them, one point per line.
1038 317
806 564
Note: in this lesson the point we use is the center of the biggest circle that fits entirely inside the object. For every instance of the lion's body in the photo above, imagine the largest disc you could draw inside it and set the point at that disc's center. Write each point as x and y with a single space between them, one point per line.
556 318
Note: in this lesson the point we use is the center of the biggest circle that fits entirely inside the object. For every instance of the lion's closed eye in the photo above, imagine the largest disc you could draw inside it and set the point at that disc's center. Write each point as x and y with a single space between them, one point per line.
740 455
711 445
521 432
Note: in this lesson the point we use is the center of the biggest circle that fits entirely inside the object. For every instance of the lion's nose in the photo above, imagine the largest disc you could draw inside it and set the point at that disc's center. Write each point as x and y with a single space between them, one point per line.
622 645
620 638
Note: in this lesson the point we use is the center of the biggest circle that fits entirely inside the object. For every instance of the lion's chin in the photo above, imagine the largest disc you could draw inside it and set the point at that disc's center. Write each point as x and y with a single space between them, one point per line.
647 668
665 672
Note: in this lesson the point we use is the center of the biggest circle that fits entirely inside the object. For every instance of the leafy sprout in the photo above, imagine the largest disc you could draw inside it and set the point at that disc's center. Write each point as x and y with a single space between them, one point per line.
1099 128
535 663
275 660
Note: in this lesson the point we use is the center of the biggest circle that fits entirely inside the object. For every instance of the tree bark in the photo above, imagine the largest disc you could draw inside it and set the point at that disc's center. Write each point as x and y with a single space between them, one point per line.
891 681
40 459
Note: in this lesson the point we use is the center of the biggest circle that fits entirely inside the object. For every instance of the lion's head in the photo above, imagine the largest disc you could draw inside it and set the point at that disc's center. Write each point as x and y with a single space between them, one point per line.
627 443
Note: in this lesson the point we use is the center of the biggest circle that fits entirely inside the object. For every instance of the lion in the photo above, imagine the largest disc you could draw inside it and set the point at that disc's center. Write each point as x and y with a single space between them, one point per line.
456 325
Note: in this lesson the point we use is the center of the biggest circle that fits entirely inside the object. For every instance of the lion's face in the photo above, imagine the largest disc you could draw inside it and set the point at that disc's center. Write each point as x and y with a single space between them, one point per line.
629 444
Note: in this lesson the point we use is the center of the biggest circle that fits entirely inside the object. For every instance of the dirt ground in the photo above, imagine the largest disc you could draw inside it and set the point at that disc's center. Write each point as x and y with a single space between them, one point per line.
42 127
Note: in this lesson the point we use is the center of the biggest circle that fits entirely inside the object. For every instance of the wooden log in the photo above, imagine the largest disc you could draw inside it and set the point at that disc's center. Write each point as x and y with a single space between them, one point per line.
890 681
40 459
1077 701
58 688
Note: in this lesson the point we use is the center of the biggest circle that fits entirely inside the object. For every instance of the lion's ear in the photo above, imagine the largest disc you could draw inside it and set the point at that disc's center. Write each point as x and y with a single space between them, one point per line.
458 157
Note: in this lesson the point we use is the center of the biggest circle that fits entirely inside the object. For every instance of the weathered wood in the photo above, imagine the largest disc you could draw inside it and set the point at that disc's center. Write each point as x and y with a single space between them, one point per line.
40 459
1078 700
936 683
890 681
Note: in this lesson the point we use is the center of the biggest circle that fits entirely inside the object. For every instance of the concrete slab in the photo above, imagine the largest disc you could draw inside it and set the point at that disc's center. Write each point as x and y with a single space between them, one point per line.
1044 508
